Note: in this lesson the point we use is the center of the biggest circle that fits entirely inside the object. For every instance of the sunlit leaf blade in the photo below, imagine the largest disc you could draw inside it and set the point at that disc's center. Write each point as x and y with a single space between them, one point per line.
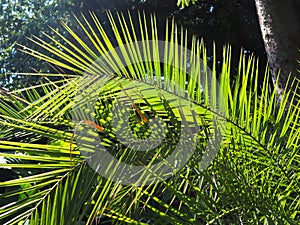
254 178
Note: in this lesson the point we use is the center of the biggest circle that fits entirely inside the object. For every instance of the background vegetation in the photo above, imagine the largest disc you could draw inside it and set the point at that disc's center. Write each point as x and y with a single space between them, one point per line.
224 22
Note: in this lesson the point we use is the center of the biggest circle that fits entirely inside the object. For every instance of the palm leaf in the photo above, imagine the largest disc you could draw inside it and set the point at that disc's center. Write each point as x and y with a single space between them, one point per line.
255 177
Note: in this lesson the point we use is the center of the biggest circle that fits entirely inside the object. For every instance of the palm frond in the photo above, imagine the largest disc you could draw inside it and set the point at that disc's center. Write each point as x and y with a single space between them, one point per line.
253 179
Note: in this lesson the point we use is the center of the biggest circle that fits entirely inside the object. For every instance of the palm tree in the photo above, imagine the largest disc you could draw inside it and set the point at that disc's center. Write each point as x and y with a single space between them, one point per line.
249 140
280 41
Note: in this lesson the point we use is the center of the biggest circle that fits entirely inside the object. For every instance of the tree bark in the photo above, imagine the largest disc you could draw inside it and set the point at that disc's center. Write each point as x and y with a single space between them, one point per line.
280 30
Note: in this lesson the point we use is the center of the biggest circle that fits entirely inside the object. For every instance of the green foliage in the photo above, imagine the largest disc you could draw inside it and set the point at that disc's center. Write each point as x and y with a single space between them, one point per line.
184 3
253 180
22 19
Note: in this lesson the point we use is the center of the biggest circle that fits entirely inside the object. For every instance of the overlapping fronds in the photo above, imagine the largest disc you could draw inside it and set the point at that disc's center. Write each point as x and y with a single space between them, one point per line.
254 179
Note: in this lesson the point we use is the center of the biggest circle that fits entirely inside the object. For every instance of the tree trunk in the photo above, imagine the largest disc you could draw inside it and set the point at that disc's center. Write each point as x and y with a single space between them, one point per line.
280 30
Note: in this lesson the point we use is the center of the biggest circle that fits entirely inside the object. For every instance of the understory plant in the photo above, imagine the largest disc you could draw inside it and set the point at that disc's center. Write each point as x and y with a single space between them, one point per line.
252 179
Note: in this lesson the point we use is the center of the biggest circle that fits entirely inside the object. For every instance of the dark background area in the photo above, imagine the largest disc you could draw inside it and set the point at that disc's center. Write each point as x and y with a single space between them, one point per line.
221 22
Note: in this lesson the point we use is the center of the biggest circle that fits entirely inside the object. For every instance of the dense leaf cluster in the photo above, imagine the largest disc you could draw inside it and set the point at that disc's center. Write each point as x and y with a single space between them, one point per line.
253 180
20 20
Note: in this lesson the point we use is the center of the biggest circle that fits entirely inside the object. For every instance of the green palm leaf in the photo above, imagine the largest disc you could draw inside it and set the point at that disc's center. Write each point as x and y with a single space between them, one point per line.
254 179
